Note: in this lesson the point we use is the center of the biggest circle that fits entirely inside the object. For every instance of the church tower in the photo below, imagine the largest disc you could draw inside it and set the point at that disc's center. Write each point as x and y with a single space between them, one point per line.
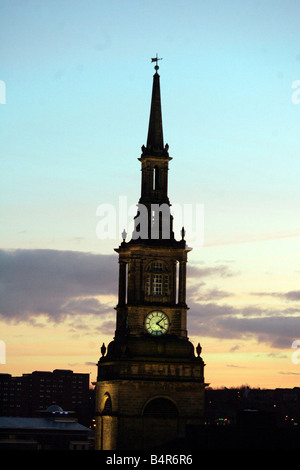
150 383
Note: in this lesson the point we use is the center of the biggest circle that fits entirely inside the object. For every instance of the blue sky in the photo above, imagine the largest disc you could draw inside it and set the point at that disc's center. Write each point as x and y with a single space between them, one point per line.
78 79
78 86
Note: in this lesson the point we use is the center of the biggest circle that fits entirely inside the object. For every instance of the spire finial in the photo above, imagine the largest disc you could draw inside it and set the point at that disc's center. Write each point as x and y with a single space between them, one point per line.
156 59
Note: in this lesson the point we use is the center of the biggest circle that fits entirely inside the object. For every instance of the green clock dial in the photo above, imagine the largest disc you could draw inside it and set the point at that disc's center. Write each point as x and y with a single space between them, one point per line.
157 323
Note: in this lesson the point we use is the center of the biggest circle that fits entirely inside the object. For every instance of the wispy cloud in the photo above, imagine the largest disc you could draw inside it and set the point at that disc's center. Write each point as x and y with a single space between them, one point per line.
208 271
253 238
293 295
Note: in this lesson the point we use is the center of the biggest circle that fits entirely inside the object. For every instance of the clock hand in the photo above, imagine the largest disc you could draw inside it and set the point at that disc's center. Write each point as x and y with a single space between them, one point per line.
159 322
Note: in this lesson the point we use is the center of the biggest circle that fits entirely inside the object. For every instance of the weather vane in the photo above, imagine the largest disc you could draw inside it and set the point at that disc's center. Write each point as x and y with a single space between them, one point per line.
156 59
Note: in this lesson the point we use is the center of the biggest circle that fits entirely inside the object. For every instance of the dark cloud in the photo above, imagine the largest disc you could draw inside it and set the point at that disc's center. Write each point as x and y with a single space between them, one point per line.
61 283
55 283
292 295
278 331
87 305
277 328
195 289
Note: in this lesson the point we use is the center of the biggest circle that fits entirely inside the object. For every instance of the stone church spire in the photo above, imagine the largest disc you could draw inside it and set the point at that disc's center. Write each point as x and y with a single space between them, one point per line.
154 188
155 131
155 141
150 384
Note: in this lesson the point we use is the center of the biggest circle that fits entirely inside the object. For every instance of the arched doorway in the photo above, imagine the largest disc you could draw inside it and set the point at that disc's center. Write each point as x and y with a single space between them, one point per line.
160 422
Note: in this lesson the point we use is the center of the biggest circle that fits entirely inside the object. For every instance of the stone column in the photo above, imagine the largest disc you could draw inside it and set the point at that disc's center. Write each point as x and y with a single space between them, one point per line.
182 282
122 282
174 283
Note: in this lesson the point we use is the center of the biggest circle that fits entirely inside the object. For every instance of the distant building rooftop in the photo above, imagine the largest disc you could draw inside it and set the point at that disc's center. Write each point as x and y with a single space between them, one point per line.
53 432
10 422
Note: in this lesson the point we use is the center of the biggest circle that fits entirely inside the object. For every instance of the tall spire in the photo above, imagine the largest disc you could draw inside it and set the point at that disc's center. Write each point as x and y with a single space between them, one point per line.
155 131
155 141
154 188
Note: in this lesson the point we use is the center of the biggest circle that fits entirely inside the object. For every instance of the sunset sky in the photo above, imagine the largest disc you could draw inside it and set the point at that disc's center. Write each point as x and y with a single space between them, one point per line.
77 77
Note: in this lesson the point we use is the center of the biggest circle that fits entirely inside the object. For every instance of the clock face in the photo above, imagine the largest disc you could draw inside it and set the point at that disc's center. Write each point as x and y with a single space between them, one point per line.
157 323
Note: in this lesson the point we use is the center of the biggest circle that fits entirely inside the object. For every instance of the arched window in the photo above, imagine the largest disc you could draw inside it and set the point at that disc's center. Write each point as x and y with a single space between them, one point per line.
157 279
107 409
